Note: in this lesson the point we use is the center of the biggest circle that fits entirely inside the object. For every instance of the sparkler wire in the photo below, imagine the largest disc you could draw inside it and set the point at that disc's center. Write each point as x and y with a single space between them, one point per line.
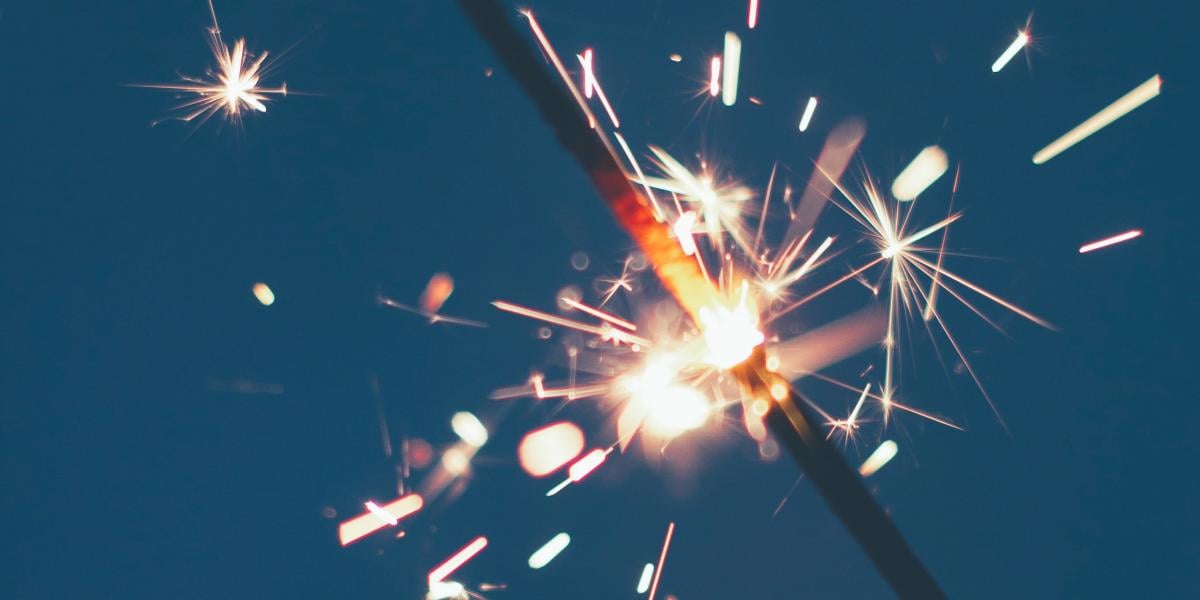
789 420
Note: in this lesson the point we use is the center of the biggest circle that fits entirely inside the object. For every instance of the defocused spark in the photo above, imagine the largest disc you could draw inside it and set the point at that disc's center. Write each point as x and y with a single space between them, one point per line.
545 450
542 556
732 62
468 427
264 294
1135 98
1109 241
584 466
809 108
714 77
1021 40
432 298
383 515
884 453
377 518
662 558
676 58
924 169
752 18
643 583
446 590
458 559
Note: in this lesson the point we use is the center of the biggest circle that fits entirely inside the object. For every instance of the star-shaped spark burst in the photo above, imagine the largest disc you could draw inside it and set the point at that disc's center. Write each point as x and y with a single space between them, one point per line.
231 87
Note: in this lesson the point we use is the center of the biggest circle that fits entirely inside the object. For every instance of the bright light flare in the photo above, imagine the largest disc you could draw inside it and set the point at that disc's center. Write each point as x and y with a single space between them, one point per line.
674 410
1135 98
924 169
263 293
458 559
643 583
548 552
732 63
543 451
446 590
377 518
1109 241
714 77
1021 41
468 427
881 456
809 108
732 334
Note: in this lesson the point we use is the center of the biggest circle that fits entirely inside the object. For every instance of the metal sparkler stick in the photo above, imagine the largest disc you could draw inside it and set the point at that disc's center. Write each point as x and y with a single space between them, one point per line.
789 420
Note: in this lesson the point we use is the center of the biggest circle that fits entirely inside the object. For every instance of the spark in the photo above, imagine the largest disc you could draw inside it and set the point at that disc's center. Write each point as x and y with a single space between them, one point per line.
662 558
264 294
611 318
752 18
377 517
545 450
643 583
458 559
605 332
584 466
676 58
1109 241
468 427
732 62
1020 42
731 333
446 590
231 88
924 169
880 457
588 78
437 291
549 551
714 77
808 113
683 231
1123 105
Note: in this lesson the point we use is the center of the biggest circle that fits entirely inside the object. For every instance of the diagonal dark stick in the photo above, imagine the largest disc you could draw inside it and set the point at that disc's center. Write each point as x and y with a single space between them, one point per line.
789 420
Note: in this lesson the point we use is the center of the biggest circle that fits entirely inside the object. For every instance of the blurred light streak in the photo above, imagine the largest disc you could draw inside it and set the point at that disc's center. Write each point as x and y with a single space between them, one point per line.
809 108
1109 241
446 590
584 466
551 549
714 77
468 427
599 314
676 58
880 457
606 332
1135 98
591 78
733 63
383 515
924 169
264 294
588 78
752 18
658 212
369 522
683 231
644 581
1021 40
662 558
457 560
545 450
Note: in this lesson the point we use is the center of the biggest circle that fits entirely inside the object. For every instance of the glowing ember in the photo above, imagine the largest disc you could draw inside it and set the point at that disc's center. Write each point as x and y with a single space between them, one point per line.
264 294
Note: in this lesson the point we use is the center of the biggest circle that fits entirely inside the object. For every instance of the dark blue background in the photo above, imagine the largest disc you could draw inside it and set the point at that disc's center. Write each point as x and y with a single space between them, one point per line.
130 252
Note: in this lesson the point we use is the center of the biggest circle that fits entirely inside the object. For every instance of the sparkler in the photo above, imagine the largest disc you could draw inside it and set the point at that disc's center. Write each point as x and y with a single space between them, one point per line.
1109 241
1136 97
232 87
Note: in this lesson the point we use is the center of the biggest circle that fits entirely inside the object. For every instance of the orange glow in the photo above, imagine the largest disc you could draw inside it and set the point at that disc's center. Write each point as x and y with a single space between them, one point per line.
584 466
457 560
436 292
264 294
544 451
376 518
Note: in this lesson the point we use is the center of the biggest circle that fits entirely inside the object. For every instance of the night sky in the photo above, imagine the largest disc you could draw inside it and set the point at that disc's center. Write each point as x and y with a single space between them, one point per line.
131 471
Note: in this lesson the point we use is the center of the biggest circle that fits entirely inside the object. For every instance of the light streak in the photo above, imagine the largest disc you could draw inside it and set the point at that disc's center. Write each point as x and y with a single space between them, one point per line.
1135 98
543 451
468 427
732 62
884 453
584 466
589 79
662 558
611 318
924 169
458 559
1109 241
643 583
714 77
263 293
809 108
549 551
1021 40
658 212
606 333
683 230
377 518
752 18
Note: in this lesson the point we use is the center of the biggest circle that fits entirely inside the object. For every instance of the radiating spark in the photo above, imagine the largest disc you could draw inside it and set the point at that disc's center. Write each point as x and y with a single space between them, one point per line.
662 558
264 294
714 77
468 427
1109 241
457 560
732 62
543 451
1135 98
752 18
1021 40
588 78
643 583
551 549
231 87
606 332
373 520
808 113
591 78
884 453
924 169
